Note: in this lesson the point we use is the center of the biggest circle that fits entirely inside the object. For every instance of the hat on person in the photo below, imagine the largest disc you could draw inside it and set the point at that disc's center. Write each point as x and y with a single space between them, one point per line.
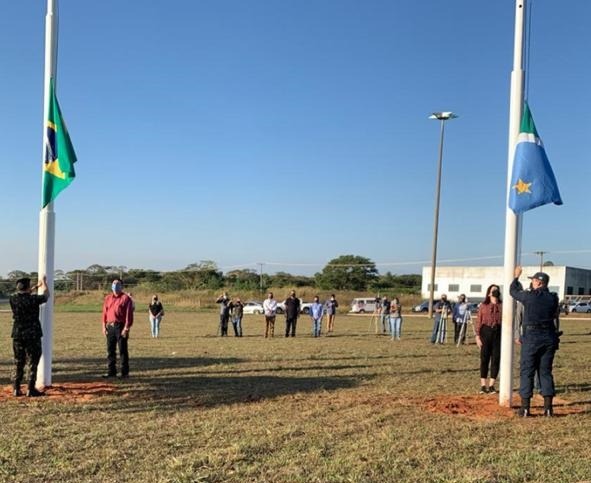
541 276
23 283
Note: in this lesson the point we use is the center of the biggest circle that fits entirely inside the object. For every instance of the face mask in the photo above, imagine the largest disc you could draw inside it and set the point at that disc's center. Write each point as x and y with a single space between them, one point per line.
116 287
495 293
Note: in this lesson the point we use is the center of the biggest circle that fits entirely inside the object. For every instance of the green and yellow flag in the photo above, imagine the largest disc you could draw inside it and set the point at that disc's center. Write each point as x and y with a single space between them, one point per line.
58 168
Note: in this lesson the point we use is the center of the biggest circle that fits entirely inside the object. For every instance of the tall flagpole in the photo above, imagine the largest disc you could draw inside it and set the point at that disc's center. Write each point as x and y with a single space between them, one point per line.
512 221
47 215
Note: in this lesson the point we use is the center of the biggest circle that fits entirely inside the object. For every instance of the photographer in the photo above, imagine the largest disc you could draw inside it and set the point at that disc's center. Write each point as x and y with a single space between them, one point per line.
224 302
539 340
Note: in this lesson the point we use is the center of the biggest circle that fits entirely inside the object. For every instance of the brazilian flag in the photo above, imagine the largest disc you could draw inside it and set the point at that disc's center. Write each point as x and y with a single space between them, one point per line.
58 168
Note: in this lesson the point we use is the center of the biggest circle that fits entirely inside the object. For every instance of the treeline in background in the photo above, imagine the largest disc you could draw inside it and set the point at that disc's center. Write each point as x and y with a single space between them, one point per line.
344 273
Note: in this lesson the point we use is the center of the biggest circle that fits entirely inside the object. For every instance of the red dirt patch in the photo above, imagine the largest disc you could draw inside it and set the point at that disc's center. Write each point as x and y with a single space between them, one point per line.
68 392
487 407
472 407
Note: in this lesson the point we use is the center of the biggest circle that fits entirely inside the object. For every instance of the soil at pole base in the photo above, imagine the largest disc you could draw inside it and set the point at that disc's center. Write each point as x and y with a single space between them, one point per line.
66 392
486 406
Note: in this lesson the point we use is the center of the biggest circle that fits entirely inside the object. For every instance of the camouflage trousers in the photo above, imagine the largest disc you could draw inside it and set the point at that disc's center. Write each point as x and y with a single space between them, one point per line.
26 350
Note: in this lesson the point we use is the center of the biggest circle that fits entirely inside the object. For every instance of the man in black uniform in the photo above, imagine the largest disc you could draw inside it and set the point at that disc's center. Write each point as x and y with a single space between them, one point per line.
539 340
26 333
292 312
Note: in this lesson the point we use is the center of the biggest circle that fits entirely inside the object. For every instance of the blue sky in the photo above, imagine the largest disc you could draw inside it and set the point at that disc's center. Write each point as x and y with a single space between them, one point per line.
290 131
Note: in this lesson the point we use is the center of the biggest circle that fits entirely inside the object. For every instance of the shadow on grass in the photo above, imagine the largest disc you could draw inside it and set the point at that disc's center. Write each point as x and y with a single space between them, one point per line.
173 384
178 392
574 388
186 392
78 369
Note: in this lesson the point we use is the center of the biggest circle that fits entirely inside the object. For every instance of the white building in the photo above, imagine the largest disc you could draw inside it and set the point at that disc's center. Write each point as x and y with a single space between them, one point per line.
567 282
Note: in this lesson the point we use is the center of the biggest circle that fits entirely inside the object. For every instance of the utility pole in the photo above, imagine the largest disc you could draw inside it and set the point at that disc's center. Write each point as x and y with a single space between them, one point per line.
260 264
541 254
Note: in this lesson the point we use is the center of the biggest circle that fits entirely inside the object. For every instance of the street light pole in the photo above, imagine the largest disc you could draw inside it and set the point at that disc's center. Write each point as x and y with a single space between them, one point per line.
260 276
441 116
541 254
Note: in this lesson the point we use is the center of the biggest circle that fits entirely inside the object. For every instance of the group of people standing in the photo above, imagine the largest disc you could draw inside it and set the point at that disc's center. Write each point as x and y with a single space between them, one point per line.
233 310
537 332
230 309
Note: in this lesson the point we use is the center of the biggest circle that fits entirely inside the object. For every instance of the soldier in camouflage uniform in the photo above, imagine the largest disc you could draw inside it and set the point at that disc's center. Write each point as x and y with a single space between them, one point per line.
26 333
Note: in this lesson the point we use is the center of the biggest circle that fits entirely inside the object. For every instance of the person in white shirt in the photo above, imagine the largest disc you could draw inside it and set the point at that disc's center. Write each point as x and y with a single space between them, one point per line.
270 309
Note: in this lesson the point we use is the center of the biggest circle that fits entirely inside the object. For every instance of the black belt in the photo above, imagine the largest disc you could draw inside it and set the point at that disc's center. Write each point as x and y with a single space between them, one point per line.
113 324
539 327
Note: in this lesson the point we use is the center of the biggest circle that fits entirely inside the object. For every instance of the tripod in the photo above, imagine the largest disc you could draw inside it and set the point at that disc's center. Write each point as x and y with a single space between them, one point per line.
466 320
375 316
441 334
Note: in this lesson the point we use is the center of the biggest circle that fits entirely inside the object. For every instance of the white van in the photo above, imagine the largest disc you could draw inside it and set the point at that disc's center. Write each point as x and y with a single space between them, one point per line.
364 305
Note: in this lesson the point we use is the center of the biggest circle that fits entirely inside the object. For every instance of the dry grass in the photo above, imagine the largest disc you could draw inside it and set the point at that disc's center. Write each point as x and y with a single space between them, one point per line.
354 407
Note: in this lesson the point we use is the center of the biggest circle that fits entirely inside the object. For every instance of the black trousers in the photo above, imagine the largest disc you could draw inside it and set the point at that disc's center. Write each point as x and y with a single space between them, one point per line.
224 319
115 339
26 349
490 353
290 326
537 355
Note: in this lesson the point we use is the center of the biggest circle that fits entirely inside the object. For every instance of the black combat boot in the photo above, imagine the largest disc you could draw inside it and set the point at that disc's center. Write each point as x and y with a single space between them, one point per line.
16 392
548 409
33 392
524 409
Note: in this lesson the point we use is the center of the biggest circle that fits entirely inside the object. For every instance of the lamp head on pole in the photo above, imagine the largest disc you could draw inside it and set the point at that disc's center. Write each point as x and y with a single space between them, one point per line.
443 116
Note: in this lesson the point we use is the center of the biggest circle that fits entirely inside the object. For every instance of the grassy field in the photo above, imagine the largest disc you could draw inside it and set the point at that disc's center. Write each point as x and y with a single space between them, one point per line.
354 407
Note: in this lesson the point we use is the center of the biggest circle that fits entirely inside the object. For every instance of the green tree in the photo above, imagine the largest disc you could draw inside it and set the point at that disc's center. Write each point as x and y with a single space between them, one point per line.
16 274
347 272
204 274
284 279
243 279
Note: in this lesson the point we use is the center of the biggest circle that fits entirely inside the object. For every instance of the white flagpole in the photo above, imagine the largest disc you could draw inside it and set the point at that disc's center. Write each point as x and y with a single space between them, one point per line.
47 215
512 221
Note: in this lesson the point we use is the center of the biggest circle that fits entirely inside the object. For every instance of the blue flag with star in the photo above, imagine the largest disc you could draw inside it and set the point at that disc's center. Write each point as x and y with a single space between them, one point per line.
533 183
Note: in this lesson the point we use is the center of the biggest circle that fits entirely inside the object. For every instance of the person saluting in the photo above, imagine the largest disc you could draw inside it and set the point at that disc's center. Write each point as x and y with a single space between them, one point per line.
539 339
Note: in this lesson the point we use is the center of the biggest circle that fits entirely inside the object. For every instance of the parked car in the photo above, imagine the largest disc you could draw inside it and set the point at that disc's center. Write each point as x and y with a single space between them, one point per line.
304 307
473 306
422 307
580 307
363 305
253 307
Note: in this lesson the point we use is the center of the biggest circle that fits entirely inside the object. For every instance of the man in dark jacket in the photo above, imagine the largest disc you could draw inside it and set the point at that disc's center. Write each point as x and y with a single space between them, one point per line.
292 312
27 333
224 302
539 339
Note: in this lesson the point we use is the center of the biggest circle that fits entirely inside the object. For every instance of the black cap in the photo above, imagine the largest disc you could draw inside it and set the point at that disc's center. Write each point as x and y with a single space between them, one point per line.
23 283
541 276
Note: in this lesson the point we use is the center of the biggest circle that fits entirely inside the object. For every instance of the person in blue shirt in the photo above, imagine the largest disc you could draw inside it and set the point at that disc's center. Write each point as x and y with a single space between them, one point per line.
461 316
316 312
